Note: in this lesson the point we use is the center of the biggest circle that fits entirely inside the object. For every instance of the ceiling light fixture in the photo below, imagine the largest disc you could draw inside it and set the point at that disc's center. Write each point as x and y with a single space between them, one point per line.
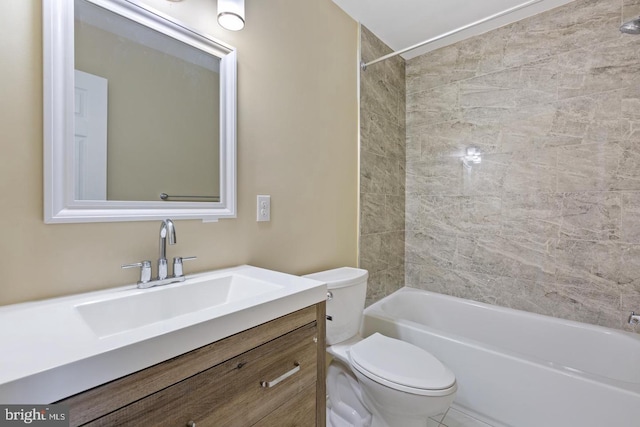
231 14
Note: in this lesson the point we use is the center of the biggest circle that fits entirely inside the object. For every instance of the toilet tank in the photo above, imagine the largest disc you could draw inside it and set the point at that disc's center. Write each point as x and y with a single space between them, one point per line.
347 288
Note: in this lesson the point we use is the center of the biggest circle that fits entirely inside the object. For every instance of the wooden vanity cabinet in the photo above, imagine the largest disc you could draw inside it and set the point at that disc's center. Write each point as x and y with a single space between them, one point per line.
270 375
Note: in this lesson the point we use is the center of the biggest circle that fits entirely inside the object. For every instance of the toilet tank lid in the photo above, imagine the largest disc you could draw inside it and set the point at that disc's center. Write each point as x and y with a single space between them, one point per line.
340 277
402 363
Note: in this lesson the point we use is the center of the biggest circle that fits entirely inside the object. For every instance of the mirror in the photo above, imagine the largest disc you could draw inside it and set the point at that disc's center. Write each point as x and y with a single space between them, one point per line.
139 116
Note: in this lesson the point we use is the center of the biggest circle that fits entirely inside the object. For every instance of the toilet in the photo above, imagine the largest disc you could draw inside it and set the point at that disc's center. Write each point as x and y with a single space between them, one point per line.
376 381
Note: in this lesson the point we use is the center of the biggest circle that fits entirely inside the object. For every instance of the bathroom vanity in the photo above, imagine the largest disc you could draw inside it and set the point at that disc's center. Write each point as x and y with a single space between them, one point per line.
269 375
240 346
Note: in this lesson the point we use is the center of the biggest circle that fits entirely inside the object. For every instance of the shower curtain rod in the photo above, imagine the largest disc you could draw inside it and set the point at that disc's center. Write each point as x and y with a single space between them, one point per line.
364 66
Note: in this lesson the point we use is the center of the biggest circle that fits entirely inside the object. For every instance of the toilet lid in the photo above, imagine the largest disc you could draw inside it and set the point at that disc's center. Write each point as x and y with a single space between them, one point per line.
399 362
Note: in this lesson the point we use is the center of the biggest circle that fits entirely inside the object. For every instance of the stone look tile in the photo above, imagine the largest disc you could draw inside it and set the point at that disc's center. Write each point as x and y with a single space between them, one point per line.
422 247
532 214
630 9
599 68
382 170
382 251
378 93
590 277
434 214
437 69
463 60
381 136
381 175
630 112
487 177
381 214
593 118
599 167
548 221
452 138
433 105
630 218
528 258
626 175
371 258
532 172
591 216
440 175
413 148
382 85
383 283
581 304
442 280
392 71
579 23
480 215
534 83
589 167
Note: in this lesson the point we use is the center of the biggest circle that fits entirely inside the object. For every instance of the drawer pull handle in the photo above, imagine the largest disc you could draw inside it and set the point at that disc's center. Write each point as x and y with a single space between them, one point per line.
267 384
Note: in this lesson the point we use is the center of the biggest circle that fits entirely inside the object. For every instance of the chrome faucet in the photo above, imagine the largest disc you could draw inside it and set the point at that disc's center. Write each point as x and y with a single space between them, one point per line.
166 229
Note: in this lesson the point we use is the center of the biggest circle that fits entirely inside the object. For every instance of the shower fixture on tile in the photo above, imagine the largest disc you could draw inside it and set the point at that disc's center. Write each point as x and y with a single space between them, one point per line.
631 27
472 156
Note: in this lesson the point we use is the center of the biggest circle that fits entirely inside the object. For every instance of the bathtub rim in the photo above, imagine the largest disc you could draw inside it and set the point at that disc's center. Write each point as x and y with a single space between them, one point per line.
376 310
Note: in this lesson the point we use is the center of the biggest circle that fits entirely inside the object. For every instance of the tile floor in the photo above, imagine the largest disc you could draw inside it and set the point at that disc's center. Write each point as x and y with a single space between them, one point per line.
456 418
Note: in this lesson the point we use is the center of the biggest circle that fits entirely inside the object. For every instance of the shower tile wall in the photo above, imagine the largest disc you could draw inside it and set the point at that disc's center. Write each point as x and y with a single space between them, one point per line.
382 173
549 221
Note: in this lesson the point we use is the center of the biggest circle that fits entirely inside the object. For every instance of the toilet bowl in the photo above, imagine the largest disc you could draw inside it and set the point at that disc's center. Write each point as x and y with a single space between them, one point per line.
376 381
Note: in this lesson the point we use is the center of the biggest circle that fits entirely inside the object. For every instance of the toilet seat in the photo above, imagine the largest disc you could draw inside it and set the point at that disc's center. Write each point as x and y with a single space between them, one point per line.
401 366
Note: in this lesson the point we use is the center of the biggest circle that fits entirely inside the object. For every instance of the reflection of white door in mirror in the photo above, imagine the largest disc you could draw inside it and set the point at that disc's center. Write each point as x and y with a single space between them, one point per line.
90 109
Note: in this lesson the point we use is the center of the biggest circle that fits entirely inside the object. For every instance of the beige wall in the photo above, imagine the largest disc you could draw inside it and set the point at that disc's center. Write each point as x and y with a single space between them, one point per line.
297 140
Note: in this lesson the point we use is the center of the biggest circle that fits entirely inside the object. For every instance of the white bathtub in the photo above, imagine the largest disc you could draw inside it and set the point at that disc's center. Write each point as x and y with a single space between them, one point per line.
516 368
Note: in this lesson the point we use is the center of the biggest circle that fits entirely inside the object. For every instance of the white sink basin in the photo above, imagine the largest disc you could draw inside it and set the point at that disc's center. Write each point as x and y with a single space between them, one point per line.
55 348
158 304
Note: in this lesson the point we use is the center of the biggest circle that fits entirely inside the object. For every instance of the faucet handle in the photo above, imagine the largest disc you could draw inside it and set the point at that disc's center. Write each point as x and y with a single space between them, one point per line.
145 270
177 265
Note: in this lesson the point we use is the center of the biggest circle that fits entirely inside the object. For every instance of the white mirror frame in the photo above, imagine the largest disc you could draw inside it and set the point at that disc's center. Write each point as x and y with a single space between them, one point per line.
58 64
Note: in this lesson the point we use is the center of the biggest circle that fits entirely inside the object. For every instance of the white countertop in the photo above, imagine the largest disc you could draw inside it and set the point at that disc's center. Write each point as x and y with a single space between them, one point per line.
48 351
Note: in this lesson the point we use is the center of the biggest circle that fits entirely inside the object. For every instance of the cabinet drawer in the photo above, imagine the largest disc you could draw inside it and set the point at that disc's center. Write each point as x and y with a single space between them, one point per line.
107 398
300 412
232 393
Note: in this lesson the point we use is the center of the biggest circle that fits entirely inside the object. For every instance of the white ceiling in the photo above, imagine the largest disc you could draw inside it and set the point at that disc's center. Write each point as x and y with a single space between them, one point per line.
404 23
